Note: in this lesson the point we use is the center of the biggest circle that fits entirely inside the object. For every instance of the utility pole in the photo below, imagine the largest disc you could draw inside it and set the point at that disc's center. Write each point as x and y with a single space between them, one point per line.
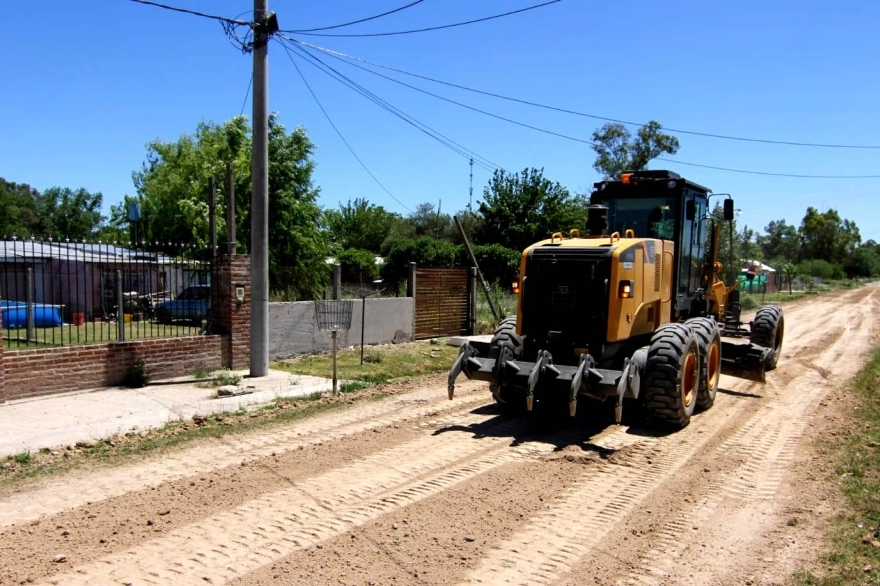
259 359
471 189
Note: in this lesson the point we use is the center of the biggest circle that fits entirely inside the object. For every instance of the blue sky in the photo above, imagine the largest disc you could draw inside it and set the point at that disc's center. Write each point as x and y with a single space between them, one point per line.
89 83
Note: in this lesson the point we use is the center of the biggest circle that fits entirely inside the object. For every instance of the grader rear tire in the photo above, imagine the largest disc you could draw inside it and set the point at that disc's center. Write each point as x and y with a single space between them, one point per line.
768 329
505 340
708 336
672 376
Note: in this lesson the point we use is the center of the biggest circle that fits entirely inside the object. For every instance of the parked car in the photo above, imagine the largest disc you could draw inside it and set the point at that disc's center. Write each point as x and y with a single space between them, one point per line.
192 304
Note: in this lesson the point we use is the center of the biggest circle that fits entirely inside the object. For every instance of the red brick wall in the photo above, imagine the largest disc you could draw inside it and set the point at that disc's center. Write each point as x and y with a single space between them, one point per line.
233 318
48 371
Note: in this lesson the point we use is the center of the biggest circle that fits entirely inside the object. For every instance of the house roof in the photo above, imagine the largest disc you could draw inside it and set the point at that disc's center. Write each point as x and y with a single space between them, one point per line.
13 250
757 266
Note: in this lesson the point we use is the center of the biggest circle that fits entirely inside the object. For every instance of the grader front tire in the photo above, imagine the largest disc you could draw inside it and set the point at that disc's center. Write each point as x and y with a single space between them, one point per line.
672 376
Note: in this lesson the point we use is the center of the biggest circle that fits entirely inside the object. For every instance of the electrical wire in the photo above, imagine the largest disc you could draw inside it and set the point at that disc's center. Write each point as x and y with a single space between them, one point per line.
423 30
583 114
480 160
246 94
590 143
192 12
330 120
327 28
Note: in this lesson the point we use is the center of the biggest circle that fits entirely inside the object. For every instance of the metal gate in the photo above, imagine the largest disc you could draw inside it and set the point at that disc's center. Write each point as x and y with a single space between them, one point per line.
442 306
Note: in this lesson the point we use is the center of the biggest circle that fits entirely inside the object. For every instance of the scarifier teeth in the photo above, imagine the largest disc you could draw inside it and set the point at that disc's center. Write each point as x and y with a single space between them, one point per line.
451 390
528 403
572 408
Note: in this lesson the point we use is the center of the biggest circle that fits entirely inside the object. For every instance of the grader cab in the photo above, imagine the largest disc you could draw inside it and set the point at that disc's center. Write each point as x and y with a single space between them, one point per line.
635 308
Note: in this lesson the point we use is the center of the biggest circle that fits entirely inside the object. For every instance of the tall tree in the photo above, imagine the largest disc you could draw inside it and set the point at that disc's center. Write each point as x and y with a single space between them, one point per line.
173 187
67 213
826 236
617 150
780 241
520 209
360 224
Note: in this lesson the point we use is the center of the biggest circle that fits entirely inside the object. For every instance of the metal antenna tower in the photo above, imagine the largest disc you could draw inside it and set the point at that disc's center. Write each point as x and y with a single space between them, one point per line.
471 190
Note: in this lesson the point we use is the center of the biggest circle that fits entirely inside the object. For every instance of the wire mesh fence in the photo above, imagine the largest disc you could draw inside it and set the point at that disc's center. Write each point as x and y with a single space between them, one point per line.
57 293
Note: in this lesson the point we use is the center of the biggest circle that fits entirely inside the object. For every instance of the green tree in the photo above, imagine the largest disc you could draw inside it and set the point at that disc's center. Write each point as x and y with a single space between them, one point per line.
360 224
520 209
827 236
788 270
864 262
67 213
617 150
424 251
780 241
173 188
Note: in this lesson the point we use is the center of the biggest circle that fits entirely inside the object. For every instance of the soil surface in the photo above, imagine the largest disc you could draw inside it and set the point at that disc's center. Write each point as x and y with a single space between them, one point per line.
415 489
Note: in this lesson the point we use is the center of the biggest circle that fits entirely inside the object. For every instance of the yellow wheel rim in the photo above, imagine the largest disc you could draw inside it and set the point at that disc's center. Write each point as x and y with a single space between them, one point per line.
689 378
714 364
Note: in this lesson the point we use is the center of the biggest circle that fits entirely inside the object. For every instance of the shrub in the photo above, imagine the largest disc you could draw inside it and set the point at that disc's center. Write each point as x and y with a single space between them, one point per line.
424 251
137 375
358 265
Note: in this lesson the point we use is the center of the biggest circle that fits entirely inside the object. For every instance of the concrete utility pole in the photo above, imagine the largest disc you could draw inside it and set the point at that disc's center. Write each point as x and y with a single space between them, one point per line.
259 360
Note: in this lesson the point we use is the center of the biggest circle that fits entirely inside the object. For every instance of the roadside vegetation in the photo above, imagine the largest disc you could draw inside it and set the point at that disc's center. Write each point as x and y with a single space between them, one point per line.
854 542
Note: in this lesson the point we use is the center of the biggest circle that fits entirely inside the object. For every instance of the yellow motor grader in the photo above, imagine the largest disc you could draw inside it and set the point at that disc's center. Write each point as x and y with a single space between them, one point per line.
635 308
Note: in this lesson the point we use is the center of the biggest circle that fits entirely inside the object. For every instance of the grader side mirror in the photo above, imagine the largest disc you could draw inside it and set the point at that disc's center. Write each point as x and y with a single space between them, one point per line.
690 210
728 209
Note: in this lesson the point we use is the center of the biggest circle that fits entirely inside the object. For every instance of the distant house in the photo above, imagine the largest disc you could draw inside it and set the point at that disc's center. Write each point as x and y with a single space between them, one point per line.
764 279
83 278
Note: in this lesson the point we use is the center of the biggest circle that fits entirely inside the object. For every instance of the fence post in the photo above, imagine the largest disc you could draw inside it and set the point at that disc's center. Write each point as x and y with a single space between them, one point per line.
230 209
29 296
337 282
120 309
2 368
472 309
411 280
212 216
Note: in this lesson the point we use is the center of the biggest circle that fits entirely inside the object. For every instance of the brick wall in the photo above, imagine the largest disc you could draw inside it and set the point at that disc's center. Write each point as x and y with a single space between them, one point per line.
233 317
2 370
48 371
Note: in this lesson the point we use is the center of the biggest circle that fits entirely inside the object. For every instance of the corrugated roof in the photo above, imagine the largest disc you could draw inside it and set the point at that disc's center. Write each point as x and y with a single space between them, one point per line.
13 250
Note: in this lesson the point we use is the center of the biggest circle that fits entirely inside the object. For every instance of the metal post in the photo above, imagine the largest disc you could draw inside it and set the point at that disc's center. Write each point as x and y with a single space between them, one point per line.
335 386
472 285
30 310
483 282
363 324
337 282
212 215
120 309
230 209
259 359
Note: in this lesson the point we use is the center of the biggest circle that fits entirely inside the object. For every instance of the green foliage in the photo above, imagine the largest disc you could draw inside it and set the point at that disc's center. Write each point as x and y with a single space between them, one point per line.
781 241
360 224
424 251
820 268
618 151
863 262
520 209
58 212
173 182
22 457
226 377
360 263
497 263
827 237
137 375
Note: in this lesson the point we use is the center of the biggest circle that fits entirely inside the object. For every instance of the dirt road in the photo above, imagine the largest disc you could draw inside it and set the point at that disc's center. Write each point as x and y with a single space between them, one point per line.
419 490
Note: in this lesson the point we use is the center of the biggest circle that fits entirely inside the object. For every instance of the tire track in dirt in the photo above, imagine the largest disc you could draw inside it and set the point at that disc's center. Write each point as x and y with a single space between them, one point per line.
557 539
68 493
766 445
240 540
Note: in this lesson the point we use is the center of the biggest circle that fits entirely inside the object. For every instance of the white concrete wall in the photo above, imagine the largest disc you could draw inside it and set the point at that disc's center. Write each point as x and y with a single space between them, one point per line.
293 331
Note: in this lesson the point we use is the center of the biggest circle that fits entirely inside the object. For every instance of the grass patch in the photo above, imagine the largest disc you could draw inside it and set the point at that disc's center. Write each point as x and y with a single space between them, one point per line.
122 448
505 303
385 364
854 556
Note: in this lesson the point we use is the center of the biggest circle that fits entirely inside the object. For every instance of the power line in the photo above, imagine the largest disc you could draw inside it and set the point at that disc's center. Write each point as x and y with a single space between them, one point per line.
193 12
330 120
584 114
590 143
481 161
327 28
246 94
432 28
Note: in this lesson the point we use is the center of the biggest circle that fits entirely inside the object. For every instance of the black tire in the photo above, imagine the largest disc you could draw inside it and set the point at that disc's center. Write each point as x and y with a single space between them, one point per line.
505 340
708 336
768 329
163 316
672 376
